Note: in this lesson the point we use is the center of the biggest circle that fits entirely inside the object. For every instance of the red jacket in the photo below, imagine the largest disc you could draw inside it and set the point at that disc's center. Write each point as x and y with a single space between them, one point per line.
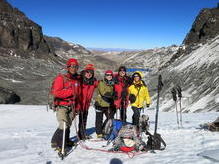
67 91
121 91
87 94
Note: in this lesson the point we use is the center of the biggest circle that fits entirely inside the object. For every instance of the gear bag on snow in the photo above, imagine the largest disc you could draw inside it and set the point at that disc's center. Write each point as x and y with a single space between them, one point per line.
111 129
128 140
144 123
213 126
155 142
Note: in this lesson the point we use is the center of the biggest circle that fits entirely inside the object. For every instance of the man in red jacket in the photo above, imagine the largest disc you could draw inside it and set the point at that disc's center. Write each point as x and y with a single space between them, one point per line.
122 82
66 90
89 83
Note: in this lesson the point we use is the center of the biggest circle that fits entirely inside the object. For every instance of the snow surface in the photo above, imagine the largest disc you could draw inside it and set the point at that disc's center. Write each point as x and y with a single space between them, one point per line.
213 155
26 131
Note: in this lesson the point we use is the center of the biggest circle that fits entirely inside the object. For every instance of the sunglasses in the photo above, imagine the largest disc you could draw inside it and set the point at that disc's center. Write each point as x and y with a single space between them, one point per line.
89 71
108 75
73 66
122 70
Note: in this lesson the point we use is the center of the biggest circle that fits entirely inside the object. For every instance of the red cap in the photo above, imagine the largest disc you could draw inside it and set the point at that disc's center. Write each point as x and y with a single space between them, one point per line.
89 67
109 72
72 61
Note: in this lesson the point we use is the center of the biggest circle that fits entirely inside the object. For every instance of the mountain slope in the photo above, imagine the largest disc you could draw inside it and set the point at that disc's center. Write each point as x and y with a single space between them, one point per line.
198 75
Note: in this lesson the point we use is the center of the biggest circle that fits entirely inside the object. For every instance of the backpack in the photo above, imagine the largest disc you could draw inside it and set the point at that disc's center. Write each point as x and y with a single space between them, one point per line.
144 123
213 126
111 129
51 98
155 142
128 140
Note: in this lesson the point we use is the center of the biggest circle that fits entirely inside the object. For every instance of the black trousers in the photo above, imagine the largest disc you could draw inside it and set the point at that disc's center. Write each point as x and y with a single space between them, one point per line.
136 115
123 110
100 111
82 124
123 114
57 137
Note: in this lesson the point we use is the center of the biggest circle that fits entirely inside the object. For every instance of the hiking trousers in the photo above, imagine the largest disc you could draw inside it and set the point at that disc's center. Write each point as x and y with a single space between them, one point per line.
64 115
123 114
136 115
100 111
82 124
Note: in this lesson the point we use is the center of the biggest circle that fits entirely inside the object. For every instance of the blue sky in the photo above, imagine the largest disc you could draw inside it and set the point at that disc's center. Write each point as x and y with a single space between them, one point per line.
130 24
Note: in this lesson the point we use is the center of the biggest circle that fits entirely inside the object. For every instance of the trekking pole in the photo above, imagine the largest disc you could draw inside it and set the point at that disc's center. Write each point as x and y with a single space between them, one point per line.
179 90
159 88
173 91
63 141
124 110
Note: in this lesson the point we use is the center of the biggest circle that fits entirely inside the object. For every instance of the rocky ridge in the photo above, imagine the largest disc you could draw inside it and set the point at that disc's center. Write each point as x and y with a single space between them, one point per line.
29 60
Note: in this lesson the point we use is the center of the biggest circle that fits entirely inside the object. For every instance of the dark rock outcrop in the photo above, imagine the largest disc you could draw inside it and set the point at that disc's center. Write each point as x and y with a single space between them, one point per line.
8 97
206 26
20 33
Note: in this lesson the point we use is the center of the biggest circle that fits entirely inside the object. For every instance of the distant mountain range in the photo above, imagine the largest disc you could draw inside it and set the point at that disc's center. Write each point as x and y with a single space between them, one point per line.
111 49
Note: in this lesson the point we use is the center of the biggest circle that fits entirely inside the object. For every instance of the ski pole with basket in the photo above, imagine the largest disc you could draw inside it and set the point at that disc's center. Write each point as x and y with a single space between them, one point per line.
179 91
155 142
174 94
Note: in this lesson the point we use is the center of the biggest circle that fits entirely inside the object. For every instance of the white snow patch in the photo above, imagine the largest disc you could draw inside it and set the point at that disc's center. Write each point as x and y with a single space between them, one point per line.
14 81
212 155
200 104
217 98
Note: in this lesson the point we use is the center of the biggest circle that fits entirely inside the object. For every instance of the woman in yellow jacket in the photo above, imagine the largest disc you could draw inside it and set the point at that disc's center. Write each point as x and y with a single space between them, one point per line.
138 96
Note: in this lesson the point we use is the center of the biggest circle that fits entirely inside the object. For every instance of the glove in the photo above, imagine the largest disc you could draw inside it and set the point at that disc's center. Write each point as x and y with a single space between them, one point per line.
124 94
115 95
108 94
147 105
132 98
108 97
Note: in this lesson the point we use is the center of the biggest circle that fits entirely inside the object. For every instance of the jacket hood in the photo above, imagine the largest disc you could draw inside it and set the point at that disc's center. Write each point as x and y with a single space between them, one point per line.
139 73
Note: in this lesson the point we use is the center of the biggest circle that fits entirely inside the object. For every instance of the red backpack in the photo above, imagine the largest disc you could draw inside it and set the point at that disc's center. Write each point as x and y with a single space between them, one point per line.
51 98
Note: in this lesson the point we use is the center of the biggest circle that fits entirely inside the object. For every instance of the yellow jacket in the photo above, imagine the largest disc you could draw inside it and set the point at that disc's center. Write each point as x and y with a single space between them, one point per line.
141 93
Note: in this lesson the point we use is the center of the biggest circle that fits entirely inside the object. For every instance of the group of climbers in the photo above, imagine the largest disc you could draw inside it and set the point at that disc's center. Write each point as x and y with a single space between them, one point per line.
73 93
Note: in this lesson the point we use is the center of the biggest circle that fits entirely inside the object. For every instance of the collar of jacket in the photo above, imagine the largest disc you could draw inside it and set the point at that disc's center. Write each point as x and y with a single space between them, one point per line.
138 84
73 77
109 82
89 81
119 79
